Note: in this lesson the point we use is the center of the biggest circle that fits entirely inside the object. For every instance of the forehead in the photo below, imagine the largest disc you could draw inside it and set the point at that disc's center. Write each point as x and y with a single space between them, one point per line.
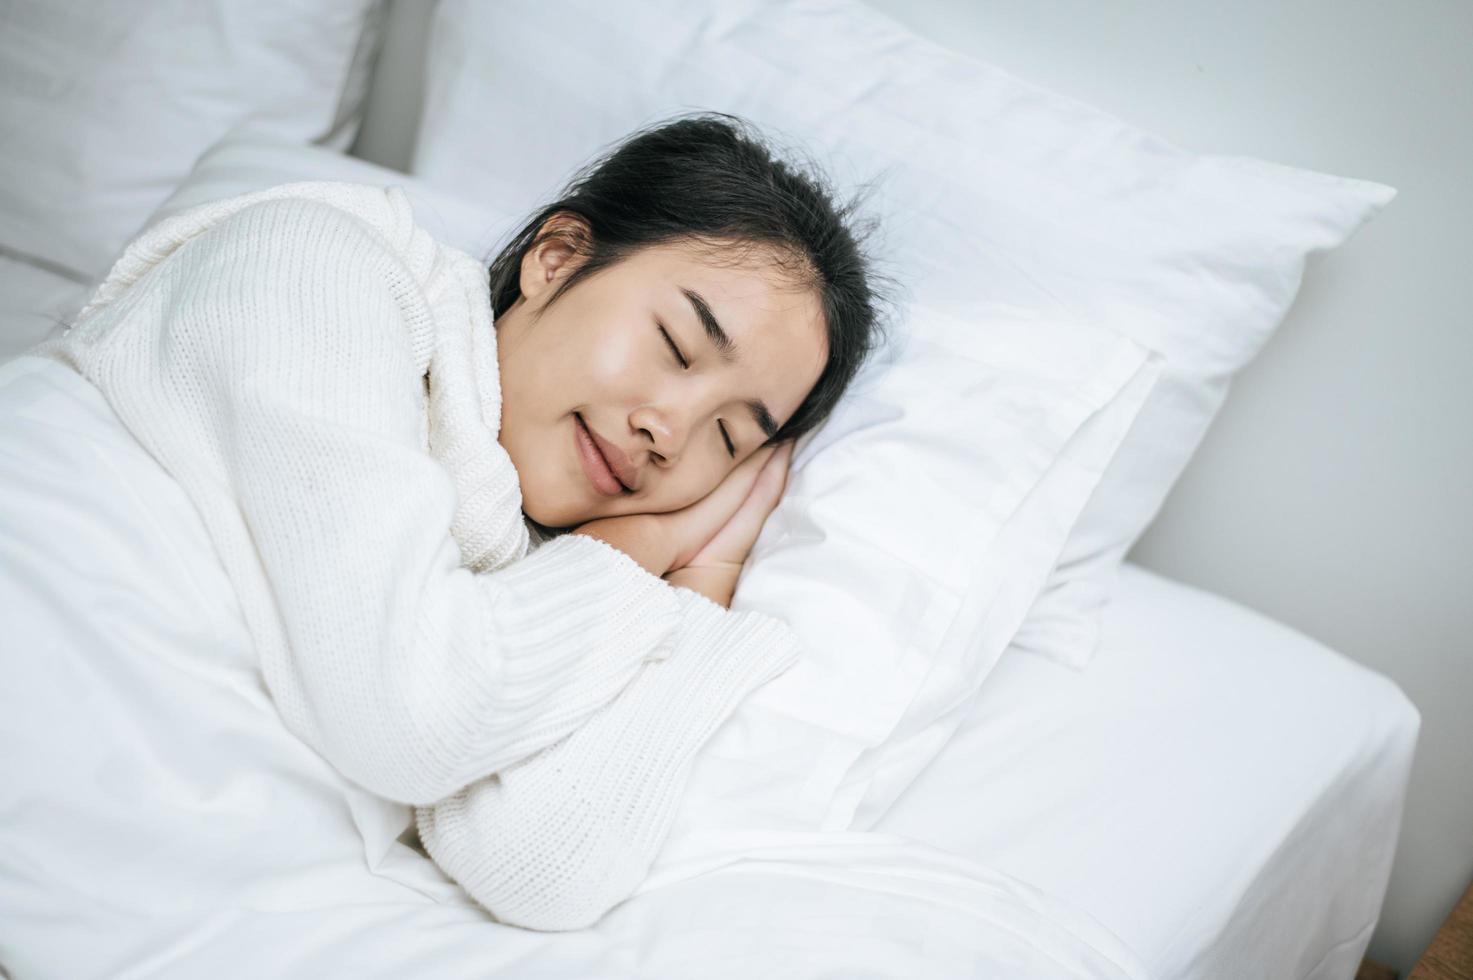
774 318
760 300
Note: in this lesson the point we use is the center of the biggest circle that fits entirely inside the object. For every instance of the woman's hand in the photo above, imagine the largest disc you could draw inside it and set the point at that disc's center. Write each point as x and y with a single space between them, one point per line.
715 566
703 546
758 491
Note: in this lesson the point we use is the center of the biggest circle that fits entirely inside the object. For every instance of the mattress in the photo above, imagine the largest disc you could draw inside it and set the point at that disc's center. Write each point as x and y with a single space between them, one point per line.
1215 790
1221 792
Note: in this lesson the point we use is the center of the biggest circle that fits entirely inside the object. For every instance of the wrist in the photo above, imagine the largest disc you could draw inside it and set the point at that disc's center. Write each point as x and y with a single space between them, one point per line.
637 535
715 582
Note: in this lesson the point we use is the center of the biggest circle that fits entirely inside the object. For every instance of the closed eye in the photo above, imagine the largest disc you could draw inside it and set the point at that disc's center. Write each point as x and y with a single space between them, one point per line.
685 365
675 350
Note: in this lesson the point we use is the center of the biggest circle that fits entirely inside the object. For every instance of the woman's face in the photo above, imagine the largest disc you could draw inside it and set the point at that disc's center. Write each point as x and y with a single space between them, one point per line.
599 355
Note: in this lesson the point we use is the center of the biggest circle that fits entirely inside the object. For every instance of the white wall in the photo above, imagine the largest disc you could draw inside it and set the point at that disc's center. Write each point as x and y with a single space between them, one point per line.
1331 492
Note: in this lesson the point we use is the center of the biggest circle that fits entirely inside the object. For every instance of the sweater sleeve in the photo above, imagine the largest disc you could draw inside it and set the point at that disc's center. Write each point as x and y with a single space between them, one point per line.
555 841
274 365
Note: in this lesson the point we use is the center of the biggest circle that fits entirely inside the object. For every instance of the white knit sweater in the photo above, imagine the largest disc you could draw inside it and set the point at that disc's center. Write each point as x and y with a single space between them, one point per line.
320 376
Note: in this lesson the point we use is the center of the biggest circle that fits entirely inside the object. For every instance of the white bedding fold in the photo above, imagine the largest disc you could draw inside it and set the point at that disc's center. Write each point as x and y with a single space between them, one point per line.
158 820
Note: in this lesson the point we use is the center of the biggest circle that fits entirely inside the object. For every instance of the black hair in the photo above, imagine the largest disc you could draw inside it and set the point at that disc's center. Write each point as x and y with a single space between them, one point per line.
710 178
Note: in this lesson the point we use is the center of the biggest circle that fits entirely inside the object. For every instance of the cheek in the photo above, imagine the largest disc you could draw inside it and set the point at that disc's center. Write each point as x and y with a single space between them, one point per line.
604 338
676 493
612 377
703 477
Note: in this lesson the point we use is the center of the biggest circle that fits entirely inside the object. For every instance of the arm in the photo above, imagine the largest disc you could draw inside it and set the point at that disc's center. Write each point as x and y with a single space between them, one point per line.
274 365
639 536
716 582
555 841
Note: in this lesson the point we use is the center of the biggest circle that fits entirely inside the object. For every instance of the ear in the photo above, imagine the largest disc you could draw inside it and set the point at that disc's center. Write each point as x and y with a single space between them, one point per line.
561 244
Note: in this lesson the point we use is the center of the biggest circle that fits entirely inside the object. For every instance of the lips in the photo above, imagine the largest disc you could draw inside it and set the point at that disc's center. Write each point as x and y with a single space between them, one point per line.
606 466
615 458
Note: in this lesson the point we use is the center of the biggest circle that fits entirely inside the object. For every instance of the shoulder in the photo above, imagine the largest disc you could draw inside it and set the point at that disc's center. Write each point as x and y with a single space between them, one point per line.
309 235
352 236
305 279
340 252
329 224
339 266
323 226
382 211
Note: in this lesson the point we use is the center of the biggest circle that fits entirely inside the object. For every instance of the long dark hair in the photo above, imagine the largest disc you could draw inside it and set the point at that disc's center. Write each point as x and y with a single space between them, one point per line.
710 177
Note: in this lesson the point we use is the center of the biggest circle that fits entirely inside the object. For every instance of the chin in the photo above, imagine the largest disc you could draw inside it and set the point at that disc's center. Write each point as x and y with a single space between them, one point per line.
554 520
552 515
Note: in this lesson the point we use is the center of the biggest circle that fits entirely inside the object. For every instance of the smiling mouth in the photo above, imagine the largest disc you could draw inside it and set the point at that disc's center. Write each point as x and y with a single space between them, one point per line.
593 444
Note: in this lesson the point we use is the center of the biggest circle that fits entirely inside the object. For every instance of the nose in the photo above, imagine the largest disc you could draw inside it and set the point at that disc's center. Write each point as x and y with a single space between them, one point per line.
665 430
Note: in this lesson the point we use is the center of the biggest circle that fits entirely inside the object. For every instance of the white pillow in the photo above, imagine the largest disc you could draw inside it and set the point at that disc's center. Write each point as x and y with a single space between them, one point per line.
990 434
105 106
249 158
920 523
888 554
995 191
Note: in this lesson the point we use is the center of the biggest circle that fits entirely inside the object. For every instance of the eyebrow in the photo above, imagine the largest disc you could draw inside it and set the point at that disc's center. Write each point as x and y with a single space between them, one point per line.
728 351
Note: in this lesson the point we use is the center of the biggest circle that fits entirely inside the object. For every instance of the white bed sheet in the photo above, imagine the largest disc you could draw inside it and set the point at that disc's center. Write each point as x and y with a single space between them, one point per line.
157 819
31 298
1220 791
1217 796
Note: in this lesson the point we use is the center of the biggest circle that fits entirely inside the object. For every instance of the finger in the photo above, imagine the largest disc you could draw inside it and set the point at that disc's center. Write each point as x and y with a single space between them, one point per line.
696 523
739 482
766 491
776 468
761 457
736 538
754 465
783 457
734 487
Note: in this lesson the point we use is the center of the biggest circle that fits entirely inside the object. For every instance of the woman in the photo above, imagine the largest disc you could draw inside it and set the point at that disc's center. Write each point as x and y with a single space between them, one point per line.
368 431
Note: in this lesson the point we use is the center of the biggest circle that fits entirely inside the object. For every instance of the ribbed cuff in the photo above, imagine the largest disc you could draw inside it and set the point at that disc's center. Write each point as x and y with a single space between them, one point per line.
569 625
747 640
557 840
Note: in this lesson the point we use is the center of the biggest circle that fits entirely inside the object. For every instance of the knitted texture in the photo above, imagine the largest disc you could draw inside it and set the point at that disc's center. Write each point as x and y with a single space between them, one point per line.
554 842
320 376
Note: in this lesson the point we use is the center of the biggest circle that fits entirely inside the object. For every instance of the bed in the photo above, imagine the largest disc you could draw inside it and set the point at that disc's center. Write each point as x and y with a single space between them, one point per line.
1061 832
1255 841
1058 834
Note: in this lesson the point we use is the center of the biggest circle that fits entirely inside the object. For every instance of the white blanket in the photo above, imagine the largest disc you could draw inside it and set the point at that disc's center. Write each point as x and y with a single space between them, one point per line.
157 819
